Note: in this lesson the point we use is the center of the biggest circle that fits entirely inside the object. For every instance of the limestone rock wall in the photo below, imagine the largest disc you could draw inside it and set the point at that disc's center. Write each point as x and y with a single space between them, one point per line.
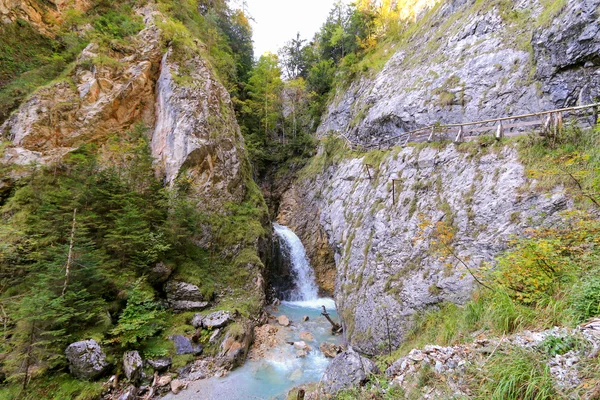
196 132
385 253
472 60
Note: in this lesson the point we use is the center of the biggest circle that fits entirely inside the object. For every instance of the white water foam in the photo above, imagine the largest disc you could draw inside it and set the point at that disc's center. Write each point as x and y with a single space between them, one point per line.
316 303
304 278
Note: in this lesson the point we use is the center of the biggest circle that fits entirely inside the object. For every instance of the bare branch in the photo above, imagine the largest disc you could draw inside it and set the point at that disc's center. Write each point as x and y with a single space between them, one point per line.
70 256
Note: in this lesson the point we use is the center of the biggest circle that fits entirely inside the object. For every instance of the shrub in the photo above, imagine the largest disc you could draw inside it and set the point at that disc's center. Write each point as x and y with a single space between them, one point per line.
141 319
554 345
118 25
586 299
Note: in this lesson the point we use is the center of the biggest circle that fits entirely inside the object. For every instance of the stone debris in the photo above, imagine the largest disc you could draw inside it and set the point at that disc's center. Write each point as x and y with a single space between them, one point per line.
283 320
301 345
130 393
452 361
160 364
301 353
305 318
306 336
177 386
163 381
330 350
265 338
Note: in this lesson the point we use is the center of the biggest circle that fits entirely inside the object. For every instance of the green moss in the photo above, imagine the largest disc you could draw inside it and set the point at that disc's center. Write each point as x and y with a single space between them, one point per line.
333 150
181 360
375 157
434 290
551 9
58 387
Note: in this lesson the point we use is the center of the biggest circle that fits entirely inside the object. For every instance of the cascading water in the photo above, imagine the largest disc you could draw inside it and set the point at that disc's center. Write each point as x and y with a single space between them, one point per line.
276 370
305 286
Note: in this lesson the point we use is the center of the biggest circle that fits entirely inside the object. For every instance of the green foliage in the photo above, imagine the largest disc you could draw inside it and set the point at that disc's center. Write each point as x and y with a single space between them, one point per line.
141 319
333 150
56 387
553 345
586 299
516 374
377 388
118 24
571 159
29 60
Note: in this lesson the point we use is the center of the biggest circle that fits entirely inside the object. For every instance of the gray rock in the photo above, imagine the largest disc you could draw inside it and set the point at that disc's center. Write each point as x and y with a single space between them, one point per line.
347 369
86 359
129 394
382 271
184 345
214 336
133 365
160 273
216 320
160 364
473 71
183 137
197 321
183 296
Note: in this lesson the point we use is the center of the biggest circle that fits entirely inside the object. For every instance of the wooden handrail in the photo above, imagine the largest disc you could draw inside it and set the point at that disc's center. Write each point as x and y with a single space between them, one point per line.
438 128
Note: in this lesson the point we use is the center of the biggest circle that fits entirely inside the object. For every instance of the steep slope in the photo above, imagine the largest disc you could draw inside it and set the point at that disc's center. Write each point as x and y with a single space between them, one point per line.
456 207
146 111
390 261
474 60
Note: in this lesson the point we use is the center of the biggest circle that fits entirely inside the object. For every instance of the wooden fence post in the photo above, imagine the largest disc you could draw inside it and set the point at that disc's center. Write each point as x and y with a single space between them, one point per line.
367 166
499 131
459 135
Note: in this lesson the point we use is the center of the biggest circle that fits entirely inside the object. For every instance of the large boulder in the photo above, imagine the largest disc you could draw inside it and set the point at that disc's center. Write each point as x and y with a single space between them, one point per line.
184 345
347 369
133 365
160 364
216 320
183 296
86 359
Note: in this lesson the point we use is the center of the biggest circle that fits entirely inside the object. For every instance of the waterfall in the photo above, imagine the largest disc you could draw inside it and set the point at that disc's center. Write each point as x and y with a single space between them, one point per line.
305 286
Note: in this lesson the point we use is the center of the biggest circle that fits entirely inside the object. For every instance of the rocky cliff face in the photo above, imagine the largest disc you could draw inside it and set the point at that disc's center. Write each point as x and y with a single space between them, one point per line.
388 256
190 114
98 100
175 96
196 132
461 61
44 15
467 61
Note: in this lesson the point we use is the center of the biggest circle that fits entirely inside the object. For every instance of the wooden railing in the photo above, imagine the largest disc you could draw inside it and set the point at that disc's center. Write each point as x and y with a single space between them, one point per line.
551 122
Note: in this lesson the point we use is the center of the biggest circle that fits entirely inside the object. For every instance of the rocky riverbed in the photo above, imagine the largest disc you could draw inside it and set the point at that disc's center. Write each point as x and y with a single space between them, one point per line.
281 357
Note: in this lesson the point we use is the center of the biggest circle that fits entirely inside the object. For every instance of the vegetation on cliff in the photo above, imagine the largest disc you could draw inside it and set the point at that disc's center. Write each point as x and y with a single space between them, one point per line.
80 237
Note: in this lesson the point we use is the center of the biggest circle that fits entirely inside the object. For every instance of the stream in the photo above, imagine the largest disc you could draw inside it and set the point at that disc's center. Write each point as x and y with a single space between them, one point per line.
278 369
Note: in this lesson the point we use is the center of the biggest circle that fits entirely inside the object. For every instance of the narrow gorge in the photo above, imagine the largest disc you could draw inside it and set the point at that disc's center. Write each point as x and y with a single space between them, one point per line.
403 206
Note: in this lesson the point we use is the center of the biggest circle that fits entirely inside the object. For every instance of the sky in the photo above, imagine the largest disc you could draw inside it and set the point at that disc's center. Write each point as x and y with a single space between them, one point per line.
278 21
